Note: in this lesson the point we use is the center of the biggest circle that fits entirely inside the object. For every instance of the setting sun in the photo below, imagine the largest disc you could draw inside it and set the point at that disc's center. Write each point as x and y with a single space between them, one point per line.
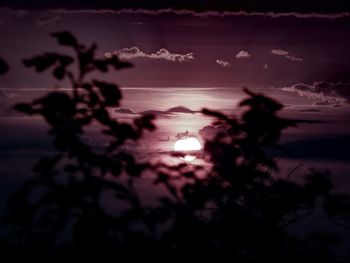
188 144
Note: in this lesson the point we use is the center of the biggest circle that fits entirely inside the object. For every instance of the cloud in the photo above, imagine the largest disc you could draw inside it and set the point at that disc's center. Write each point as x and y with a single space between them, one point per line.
7 14
124 111
223 63
205 13
138 23
210 132
324 102
181 109
279 52
243 54
47 18
284 53
327 93
310 110
135 52
294 58
169 112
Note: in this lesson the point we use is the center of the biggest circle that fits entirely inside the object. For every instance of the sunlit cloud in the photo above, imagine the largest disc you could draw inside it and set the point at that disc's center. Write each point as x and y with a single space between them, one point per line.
135 52
294 58
286 54
243 54
327 93
279 52
223 63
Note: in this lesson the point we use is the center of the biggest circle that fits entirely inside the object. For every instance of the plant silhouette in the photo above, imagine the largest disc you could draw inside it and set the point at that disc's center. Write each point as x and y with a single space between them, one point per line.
3 66
232 208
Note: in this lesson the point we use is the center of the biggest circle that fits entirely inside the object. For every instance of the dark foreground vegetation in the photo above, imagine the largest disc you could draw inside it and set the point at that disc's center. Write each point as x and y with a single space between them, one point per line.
232 208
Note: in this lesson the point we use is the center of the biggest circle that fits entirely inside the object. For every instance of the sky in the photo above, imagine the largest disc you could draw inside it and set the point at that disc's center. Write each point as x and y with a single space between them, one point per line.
298 52
248 5
193 54
170 48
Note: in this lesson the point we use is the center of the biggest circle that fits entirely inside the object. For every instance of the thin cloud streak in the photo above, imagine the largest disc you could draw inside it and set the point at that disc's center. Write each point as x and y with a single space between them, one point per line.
7 14
204 13
47 18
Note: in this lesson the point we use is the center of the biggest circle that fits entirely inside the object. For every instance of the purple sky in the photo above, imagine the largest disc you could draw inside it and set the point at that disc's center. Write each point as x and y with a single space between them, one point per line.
194 60
297 53
257 50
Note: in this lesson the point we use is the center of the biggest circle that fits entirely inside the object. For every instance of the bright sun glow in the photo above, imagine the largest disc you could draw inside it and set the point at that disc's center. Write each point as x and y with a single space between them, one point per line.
188 144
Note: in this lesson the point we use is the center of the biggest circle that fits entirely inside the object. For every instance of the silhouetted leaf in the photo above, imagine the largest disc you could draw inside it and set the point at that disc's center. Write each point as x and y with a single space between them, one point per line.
93 99
59 73
65 60
24 107
65 38
101 65
145 122
87 86
86 59
118 64
3 66
116 168
110 93
71 168
41 63
101 115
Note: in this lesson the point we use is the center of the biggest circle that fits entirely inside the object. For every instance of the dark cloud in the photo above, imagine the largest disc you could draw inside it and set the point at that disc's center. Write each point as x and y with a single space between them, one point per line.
47 18
210 132
7 14
312 110
138 23
169 112
181 109
157 113
124 111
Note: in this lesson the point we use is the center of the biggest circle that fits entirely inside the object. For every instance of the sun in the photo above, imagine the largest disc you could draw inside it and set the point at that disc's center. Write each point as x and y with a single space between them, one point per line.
186 145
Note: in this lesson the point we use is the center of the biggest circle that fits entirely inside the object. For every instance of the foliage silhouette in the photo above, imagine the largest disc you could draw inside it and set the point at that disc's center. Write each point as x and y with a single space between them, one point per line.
3 67
231 208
